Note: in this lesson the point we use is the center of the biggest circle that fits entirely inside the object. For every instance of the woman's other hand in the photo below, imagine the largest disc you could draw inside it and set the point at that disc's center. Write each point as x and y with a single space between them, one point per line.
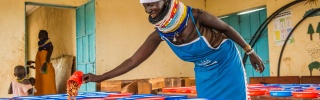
256 62
32 67
30 62
90 78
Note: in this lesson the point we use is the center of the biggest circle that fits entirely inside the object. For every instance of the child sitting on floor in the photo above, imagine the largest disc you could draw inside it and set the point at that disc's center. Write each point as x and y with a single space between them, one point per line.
22 86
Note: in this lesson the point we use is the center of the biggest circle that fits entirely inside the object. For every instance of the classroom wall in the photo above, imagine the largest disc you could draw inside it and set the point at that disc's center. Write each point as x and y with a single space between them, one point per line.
12 35
297 55
60 25
121 29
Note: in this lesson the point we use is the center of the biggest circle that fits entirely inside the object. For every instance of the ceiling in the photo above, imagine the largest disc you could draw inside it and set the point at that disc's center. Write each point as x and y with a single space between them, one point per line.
30 9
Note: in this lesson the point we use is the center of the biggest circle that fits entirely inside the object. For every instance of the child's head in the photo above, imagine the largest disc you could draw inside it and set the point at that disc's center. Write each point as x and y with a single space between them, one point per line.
19 71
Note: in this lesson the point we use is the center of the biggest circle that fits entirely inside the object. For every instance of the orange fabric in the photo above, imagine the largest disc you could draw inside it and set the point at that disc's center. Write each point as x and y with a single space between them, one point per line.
45 83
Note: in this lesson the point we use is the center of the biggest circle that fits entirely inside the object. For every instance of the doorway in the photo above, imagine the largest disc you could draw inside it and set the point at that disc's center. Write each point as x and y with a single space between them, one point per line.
69 40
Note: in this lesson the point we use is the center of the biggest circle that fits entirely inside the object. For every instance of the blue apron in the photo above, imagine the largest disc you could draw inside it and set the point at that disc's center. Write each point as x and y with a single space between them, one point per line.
219 72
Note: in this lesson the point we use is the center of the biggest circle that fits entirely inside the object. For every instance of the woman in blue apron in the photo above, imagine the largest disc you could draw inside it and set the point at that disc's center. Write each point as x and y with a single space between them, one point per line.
199 37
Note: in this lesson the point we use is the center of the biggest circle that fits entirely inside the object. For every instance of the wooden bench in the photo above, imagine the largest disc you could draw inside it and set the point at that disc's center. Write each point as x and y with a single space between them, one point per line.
310 79
275 80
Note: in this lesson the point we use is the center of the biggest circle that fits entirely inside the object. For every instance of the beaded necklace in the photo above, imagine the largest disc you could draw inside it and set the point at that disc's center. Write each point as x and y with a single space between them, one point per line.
20 80
44 44
174 21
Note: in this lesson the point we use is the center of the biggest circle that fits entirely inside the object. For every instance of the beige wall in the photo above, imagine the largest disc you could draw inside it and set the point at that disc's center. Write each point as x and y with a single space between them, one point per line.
12 41
296 58
12 36
74 3
60 25
121 29
223 7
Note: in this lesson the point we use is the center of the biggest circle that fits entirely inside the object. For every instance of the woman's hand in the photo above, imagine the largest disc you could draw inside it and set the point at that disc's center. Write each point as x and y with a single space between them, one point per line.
256 62
90 78
44 68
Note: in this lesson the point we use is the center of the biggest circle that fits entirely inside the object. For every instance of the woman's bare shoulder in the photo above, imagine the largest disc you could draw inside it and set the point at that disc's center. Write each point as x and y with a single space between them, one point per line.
196 12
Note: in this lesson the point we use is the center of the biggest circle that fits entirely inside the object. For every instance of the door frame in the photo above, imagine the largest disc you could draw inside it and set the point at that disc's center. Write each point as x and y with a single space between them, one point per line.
86 39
